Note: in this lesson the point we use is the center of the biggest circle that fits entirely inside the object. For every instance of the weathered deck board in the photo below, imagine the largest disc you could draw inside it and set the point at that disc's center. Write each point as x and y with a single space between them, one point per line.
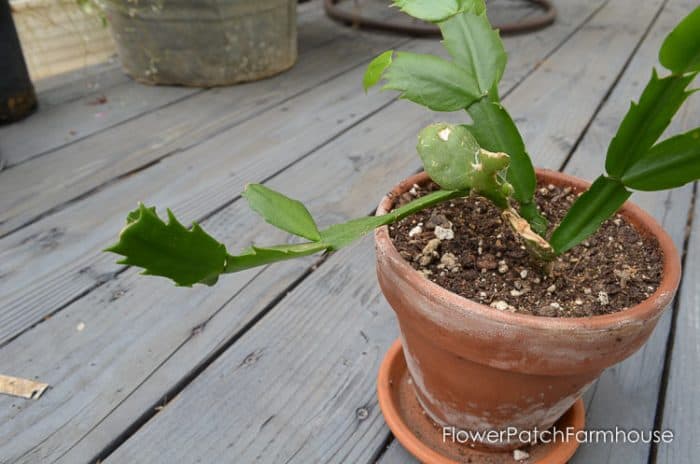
91 80
45 184
395 453
587 66
320 406
681 412
70 240
204 447
54 127
180 332
77 119
33 188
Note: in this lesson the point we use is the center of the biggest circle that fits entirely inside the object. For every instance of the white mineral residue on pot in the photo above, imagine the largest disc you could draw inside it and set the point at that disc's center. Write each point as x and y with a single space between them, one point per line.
662 297
417 375
453 319
536 414
454 417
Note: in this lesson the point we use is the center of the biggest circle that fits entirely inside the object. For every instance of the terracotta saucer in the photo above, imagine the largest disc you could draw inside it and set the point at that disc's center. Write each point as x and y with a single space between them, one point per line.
423 438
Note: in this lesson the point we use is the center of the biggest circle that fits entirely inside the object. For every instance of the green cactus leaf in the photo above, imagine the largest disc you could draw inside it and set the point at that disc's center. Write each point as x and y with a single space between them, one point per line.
281 211
598 203
669 164
259 256
187 256
432 81
376 68
646 121
495 130
340 235
191 256
455 161
475 45
438 10
680 51
449 154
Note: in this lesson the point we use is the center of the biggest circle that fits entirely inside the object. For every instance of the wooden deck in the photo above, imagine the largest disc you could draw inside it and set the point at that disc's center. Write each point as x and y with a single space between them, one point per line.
279 364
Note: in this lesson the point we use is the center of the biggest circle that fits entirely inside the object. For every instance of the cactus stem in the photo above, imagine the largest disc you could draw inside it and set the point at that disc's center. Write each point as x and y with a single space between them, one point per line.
537 246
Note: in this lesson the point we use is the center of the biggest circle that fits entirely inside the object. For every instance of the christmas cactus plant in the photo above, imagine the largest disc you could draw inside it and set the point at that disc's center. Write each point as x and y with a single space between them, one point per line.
486 157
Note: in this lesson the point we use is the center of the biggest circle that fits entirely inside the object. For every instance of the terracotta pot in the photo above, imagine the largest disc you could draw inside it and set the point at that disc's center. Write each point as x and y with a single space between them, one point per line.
477 368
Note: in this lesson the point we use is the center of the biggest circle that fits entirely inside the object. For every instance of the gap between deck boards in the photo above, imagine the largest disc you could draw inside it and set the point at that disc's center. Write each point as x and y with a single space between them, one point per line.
662 412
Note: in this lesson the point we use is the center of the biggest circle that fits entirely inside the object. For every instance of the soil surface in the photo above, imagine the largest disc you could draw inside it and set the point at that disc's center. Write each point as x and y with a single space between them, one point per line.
465 247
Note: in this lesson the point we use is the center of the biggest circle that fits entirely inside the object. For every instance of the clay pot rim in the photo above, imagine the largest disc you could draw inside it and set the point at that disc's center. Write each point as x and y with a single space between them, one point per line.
647 309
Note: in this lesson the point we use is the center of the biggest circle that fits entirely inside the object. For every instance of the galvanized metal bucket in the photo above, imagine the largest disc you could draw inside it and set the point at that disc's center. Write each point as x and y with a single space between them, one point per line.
203 43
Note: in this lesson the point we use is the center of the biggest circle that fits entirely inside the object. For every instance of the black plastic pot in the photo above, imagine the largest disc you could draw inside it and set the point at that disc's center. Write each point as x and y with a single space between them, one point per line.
17 97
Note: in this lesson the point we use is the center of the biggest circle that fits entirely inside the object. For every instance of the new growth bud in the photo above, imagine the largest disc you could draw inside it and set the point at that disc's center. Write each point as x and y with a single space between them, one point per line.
455 161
